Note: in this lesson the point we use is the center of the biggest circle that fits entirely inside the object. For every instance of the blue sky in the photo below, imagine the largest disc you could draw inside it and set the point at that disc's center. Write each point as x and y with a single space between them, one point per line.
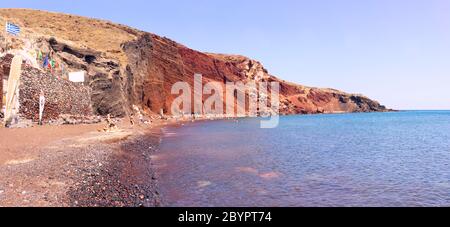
395 51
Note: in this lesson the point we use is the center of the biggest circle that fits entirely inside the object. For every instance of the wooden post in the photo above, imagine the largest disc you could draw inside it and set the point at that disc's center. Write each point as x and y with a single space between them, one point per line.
12 99
1 88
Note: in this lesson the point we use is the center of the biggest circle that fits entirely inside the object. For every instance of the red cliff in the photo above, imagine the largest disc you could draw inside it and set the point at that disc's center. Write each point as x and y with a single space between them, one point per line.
128 67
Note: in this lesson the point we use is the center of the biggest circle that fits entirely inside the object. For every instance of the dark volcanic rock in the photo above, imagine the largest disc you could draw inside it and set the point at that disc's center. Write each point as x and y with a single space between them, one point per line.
126 180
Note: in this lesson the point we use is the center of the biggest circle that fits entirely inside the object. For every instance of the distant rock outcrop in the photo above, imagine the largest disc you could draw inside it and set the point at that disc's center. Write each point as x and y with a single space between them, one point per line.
127 67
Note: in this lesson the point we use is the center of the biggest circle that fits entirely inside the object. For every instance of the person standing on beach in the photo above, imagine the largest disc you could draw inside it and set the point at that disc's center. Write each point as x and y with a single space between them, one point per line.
41 106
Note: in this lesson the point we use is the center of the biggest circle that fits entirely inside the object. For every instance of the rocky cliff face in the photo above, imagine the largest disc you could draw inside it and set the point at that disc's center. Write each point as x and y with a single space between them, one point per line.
128 67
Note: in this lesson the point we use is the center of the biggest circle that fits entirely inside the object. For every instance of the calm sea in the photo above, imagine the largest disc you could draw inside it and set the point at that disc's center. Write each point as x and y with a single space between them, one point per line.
368 159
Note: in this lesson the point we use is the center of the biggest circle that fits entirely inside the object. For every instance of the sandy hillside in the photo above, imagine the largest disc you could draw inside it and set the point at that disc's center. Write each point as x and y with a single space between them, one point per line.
82 31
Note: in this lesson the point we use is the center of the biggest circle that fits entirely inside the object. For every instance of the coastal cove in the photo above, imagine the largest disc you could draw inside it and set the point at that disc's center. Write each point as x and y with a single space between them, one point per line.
366 159
361 159
205 112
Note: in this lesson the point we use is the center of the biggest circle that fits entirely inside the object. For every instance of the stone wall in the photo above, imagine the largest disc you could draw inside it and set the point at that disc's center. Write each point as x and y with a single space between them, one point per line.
63 97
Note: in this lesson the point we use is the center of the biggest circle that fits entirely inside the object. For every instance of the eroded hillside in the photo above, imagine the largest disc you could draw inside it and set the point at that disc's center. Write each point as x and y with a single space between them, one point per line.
128 67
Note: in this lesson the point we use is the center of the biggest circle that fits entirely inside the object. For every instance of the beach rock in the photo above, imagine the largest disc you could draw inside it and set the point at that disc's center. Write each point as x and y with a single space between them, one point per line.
67 119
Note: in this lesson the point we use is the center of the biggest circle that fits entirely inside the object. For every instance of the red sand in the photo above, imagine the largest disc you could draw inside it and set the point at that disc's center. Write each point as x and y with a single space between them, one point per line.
22 144
77 165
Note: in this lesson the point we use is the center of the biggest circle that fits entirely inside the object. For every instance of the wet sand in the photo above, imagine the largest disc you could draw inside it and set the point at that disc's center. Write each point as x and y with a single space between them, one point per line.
78 166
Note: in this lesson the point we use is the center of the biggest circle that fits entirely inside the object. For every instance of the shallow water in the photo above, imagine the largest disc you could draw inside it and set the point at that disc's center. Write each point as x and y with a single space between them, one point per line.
371 159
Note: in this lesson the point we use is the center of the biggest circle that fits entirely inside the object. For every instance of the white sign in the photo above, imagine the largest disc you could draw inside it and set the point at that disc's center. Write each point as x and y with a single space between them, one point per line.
76 76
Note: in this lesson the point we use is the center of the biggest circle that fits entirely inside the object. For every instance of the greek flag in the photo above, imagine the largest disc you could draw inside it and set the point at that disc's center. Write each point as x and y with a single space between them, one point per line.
12 29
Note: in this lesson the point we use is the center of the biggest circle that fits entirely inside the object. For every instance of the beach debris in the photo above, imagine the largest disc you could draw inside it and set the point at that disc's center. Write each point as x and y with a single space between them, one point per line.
67 119
142 119
21 123
138 114
110 125
132 119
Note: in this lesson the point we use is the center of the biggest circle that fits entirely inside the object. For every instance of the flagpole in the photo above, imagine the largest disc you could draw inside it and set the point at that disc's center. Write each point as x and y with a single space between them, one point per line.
6 36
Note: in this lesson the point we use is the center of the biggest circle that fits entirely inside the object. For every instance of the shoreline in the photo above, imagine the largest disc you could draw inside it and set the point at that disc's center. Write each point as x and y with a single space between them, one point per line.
127 179
82 167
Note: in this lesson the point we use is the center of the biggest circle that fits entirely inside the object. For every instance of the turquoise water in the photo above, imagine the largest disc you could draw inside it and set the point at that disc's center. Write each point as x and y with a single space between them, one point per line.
370 159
